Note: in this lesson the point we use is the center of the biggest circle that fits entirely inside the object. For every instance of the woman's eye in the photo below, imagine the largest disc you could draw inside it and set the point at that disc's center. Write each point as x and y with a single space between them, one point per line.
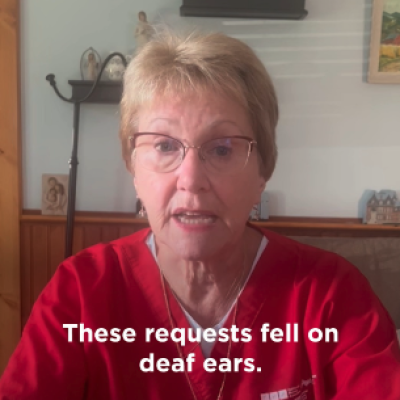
221 151
166 146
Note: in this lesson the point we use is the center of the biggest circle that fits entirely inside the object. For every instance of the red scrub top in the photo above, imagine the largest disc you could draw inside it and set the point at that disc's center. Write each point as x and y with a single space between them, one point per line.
118 285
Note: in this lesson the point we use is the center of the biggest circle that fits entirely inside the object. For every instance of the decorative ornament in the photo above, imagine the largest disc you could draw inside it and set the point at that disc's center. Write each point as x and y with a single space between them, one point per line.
54 194
383 208
144 31
90 64
115 68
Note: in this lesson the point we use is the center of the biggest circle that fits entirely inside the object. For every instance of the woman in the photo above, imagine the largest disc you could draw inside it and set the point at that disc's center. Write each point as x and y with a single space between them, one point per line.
198 134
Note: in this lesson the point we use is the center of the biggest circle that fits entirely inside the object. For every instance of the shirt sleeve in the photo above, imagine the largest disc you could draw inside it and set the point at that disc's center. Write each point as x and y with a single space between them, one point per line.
365 361
45 365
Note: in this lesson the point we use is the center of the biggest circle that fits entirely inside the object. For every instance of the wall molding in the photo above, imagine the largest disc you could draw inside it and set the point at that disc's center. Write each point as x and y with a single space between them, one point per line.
303 226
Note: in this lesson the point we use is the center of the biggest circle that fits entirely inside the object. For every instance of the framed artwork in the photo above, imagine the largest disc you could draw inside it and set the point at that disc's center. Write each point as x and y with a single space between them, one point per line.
384 66
54 194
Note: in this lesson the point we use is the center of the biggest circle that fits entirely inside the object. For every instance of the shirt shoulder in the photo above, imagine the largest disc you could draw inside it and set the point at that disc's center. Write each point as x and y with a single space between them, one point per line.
107 254
304 261
107 262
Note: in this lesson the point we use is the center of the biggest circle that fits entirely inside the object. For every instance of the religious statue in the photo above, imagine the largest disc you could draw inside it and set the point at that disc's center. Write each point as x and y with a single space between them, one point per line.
143 31
92 66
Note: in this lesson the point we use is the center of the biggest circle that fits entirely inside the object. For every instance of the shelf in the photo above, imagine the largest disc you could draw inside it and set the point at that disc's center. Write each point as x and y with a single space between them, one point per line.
289 226
107 92
83 217
221 12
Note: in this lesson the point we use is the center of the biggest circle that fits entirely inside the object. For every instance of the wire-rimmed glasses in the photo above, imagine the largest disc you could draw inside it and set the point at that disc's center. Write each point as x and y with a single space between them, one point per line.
162 153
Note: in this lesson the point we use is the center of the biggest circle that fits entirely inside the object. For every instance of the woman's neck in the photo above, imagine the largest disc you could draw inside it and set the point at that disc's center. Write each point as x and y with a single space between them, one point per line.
207 289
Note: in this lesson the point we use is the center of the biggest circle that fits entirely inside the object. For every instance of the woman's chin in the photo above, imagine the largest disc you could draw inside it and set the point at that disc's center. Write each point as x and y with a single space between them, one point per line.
195 242
191 249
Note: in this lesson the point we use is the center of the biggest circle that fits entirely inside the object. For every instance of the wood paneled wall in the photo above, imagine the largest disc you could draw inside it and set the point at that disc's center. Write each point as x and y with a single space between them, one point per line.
42 250
42 240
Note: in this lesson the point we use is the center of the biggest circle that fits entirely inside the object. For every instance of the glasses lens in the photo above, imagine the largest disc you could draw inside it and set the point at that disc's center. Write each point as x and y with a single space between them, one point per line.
226 155
157 153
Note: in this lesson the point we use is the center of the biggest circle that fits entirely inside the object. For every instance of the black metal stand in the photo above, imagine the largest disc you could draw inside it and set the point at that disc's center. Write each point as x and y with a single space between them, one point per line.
73 162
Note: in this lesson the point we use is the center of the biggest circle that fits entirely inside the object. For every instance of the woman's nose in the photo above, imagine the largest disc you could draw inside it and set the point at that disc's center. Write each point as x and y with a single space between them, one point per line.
192 175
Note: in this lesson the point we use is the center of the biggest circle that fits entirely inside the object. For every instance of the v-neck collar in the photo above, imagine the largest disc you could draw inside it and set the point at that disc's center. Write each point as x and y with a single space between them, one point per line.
250 303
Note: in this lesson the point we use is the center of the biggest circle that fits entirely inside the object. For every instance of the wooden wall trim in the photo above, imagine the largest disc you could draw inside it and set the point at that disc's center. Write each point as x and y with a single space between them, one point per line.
330 226
83 219
10 178
305 226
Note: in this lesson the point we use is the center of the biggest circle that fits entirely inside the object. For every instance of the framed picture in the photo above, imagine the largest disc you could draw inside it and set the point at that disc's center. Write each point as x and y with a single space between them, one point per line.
384 66
54 194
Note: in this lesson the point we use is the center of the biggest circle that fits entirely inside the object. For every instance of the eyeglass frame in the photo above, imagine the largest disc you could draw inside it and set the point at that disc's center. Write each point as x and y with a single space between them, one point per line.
250 141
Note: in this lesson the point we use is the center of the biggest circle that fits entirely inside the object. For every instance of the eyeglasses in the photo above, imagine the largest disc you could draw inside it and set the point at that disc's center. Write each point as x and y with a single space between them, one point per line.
162 153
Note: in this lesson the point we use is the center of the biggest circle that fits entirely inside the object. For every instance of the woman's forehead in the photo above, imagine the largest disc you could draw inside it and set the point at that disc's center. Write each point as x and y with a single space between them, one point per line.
210 110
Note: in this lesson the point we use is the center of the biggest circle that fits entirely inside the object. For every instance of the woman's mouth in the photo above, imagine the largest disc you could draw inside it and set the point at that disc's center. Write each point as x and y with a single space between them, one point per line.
192 217
195 219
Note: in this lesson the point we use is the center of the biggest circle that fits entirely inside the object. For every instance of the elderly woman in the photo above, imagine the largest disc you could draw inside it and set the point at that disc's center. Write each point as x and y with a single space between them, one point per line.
203 305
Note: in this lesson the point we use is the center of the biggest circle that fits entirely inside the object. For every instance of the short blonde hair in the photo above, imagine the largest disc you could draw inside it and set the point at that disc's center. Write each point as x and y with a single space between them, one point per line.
173 64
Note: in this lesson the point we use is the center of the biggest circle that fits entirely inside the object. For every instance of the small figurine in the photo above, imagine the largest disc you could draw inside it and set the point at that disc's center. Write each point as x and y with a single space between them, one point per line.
255 214
92 66
115 69
143 31
383 208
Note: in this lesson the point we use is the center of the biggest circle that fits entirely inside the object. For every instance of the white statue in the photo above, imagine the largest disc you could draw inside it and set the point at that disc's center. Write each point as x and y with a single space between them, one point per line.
92 66
143 31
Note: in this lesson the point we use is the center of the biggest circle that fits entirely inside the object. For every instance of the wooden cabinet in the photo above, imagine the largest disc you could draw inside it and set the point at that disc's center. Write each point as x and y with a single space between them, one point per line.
9 179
